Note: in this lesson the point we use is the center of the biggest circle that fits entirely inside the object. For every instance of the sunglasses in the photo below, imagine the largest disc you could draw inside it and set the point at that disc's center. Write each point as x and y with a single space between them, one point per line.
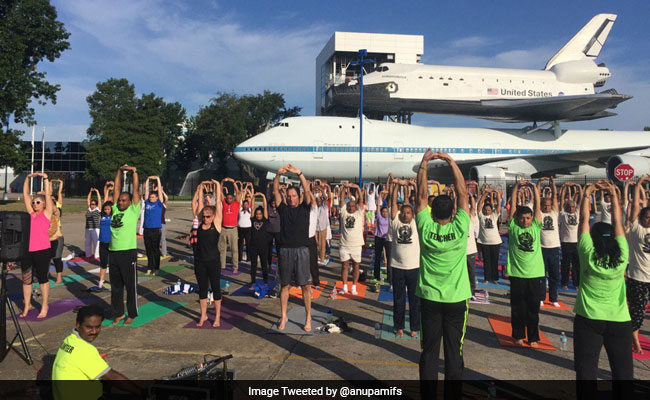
36 202
208 216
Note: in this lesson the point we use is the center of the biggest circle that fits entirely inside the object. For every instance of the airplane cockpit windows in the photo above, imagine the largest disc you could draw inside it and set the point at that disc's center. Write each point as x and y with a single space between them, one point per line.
284 124
382 68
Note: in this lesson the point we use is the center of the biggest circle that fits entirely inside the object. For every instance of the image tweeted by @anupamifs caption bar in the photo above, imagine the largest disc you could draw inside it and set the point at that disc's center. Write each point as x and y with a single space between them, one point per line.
323 390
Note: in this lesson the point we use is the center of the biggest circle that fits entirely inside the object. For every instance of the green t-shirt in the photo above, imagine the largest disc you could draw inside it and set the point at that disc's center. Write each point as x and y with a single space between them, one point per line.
78 360
443 258
124 226
602 290
525 258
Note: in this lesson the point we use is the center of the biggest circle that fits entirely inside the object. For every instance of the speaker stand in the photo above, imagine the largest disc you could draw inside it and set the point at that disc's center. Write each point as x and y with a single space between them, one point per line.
5 303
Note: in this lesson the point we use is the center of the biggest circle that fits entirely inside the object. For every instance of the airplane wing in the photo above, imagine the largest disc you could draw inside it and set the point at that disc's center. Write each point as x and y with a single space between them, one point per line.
594 158
557 108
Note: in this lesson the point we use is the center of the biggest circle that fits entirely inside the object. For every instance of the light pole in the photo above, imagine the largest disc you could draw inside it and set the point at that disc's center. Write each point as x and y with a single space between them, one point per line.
363 53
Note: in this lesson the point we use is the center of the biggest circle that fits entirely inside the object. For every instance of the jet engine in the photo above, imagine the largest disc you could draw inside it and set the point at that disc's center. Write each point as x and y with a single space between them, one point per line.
581 71
640 164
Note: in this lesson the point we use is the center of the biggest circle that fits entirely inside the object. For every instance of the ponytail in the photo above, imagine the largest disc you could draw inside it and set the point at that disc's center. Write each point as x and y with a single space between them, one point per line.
607 251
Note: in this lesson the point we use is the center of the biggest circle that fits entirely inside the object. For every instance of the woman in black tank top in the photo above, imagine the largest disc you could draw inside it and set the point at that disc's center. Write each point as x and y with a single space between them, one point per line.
206 257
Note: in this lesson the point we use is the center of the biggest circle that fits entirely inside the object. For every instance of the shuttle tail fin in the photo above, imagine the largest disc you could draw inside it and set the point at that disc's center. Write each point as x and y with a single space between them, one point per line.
587 43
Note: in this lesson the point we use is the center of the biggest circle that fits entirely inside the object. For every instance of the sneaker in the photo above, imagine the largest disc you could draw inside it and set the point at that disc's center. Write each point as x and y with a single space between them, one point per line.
344 290
556 304
354 290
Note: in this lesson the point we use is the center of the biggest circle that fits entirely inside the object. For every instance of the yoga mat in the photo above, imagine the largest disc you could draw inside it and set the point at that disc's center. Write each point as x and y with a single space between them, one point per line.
361 291
231 313
481 296
388 327
645 346
55 308
67 264
499 285
295 291
149 312
503 330
548 305
229 270
83 260
145 258
167 269
65 280
296 322
569 290
95 270
246 290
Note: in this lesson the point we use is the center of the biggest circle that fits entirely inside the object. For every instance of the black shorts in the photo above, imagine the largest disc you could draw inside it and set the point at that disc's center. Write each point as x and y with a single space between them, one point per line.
103 255
37 263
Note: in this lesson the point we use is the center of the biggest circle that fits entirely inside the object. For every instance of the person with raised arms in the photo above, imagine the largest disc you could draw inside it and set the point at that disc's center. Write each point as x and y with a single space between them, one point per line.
259 241
229 236
602 315
153 209
488 234
525 266
123 248
352 223
93 215
638 272
293 260
569 218
443 285
37 261
550 241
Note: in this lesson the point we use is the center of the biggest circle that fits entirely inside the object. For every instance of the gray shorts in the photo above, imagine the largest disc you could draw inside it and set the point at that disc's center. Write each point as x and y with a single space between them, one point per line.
293 266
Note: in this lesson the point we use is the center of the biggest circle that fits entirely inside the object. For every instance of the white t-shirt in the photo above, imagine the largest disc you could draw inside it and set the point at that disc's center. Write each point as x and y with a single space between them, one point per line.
605 212
471 239
351 227
244 219
475 225
569 227
550 235
313 220
405 252
488 232
372 203
638 238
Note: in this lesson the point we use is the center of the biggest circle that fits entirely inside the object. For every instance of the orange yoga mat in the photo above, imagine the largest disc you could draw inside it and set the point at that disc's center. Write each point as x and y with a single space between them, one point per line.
361 291
296 291
502 328
548 305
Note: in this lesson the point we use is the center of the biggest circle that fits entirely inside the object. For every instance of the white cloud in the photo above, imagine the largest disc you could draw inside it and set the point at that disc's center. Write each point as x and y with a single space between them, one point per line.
471 42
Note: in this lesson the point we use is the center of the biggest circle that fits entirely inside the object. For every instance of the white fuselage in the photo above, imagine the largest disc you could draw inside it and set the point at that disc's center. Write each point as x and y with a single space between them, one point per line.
328 147
440 82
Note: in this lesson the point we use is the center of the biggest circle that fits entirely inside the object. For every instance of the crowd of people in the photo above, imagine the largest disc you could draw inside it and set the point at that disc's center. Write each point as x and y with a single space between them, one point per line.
427 237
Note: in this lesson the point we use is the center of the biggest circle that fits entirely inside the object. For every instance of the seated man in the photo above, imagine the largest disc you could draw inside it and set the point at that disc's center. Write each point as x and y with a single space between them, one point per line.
78 360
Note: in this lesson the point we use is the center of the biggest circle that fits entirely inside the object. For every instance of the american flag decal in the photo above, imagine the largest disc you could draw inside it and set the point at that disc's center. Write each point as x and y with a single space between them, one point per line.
493 91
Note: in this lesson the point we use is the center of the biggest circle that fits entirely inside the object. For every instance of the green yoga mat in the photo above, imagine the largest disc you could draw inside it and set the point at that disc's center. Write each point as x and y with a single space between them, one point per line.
167 269
149 312
387 327
66 279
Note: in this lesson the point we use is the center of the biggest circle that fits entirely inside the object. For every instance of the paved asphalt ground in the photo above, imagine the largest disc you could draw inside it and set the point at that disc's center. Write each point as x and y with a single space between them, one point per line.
162 346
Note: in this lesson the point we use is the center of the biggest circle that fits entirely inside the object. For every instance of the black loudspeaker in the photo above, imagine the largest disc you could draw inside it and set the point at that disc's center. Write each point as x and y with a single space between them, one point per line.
14 235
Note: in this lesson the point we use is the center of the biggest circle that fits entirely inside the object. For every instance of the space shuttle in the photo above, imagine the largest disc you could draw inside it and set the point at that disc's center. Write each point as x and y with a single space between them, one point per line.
565 90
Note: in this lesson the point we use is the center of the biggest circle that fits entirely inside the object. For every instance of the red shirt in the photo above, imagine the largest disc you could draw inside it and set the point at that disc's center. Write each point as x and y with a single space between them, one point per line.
230 214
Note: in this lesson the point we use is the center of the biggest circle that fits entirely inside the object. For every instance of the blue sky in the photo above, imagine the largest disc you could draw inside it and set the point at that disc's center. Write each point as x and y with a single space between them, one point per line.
188 50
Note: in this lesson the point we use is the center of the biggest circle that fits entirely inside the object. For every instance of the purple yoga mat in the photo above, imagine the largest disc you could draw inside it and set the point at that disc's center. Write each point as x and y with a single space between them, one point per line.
231 313
56 308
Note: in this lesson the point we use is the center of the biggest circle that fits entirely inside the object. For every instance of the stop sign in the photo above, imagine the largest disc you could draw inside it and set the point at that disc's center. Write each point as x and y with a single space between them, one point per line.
624 172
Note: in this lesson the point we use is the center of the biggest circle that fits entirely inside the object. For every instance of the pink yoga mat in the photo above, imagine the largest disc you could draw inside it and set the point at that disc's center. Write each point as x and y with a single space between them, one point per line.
56 308
231 313
645 345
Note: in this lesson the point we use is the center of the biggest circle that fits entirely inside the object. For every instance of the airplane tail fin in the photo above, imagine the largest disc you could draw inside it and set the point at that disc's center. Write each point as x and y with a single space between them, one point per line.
587 43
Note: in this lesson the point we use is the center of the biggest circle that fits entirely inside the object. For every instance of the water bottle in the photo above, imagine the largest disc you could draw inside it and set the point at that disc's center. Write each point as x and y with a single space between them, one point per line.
563 340
492 391
333 295
377 330
227 287
330 317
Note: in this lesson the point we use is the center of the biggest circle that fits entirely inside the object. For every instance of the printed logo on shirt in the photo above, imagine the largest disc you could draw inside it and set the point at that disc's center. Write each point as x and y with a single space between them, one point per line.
525 242
349 222
258 225
572 219
116 221
405 235
67 348
547 224
646 243
488 223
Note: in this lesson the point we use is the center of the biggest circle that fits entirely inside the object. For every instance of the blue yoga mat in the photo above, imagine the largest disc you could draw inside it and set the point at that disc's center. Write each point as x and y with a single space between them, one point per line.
386 295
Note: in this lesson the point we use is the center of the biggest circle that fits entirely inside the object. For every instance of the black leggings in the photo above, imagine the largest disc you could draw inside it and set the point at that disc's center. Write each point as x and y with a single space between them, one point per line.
638 294
36 263
570 262
103 254
382 245
589 336
490 254
274 238
56 254
259 250
152 246
244 234
208 274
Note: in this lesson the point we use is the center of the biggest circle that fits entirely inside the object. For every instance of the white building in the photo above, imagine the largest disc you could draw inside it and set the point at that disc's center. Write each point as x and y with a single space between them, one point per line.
333 62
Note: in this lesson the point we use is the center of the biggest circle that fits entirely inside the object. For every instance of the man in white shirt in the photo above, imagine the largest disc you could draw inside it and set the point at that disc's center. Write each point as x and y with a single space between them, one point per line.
570 265
550 241
351 226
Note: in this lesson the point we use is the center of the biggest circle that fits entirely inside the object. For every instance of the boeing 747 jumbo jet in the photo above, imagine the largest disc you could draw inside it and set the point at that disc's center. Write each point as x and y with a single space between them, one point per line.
564 91
328 147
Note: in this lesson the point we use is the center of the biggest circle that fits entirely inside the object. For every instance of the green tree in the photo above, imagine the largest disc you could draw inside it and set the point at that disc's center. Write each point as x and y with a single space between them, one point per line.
127 129
646 128
29 34
230 119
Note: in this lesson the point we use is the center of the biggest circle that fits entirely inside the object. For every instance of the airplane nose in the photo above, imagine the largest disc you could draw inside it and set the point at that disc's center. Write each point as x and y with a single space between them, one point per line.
240 153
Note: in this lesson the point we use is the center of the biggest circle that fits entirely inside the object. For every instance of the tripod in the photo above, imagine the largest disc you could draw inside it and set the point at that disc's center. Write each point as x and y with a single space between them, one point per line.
4 303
